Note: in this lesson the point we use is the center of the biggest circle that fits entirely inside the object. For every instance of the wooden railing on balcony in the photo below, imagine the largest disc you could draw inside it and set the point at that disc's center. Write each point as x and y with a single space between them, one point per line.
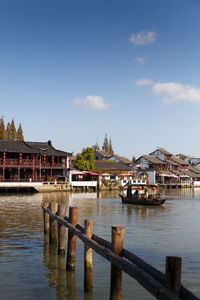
29 162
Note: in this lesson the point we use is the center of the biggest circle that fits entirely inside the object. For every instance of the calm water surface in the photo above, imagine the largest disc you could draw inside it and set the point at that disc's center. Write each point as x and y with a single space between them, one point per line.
29 269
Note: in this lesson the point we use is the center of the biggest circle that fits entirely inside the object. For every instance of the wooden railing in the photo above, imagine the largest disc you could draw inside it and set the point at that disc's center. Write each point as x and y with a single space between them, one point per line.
161 286
29 162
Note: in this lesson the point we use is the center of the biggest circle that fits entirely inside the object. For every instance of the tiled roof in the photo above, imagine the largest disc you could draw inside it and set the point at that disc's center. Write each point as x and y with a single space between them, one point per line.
47 148
195 170
152 159
171 162
102 164
103 153
30 148
191 174
179 161
164 151
122 159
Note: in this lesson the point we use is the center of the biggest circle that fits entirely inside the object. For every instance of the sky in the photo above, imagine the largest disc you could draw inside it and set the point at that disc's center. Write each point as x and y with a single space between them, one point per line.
73 71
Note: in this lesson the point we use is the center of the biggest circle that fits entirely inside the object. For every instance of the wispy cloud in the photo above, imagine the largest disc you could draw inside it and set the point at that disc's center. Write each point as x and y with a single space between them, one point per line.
91 102
172 92
141 59
143 38
144 81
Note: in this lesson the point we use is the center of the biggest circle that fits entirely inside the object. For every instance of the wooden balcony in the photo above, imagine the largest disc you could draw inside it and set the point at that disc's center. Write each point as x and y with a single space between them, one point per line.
29 163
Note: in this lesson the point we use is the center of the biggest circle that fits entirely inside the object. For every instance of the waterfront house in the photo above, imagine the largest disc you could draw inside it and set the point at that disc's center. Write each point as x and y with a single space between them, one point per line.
161 154
82 179
151 163
115 170
32 161
169 170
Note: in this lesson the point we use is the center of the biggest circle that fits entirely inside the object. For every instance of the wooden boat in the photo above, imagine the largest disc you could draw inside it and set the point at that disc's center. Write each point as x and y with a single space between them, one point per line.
140 199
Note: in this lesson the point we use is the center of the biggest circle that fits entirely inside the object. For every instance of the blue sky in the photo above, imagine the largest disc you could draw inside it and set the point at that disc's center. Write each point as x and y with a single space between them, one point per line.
71 71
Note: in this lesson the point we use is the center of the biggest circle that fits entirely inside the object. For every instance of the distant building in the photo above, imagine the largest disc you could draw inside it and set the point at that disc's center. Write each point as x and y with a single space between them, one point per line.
31 161
101 154
169 169
120 159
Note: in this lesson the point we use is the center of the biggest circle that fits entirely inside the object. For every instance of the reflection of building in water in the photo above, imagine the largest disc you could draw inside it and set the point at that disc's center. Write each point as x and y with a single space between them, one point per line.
59 197
83 196
24 208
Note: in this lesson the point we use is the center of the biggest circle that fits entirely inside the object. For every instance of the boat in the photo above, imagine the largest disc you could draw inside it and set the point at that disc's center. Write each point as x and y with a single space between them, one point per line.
140 198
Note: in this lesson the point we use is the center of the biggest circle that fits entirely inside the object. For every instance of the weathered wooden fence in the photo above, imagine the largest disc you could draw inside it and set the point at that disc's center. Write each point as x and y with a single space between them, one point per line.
161 286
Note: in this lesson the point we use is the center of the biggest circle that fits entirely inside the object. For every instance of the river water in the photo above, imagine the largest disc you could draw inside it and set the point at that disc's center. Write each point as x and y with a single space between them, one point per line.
29 269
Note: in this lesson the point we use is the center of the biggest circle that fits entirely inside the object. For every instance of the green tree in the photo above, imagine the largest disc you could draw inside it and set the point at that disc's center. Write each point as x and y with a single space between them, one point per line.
96 147
20 136
110 148
85 161
2 129
133 159
182 156
105 143
8 138
12 131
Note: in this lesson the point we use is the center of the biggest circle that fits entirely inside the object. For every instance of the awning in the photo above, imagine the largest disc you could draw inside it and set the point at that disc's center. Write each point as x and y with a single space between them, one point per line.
128 175
91 173
77 172
105 174
168 175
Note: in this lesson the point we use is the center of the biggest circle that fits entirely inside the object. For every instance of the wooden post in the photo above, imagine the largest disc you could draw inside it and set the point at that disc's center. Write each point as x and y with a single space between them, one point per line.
61 229
53 233
3 171
88 257
116 273
71 249
46 219
173 274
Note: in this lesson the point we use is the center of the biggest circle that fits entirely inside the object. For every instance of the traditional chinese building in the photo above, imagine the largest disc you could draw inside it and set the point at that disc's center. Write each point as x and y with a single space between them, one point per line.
31 161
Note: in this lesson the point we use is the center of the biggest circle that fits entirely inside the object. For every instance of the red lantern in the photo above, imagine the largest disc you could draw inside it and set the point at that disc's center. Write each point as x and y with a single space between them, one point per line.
153 188
4 157
140 188
20 158
44 159
52 160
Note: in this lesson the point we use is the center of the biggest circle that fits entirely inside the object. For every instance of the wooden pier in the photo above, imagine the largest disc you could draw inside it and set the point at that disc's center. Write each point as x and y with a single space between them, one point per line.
165 286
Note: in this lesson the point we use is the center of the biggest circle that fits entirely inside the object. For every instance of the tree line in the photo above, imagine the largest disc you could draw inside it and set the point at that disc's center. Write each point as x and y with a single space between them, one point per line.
107 145
9 132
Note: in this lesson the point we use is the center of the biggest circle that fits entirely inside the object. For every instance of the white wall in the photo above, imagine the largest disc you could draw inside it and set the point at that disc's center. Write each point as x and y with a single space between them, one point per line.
196 183
84 183
123 182
152 177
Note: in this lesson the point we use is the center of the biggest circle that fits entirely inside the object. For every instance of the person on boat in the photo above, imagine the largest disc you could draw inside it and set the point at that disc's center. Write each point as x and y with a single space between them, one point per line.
146 194
135 194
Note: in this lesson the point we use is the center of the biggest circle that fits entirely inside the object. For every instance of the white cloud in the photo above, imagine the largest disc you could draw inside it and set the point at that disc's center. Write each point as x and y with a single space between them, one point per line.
172 92
141 59
144 81
143 38
92 102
